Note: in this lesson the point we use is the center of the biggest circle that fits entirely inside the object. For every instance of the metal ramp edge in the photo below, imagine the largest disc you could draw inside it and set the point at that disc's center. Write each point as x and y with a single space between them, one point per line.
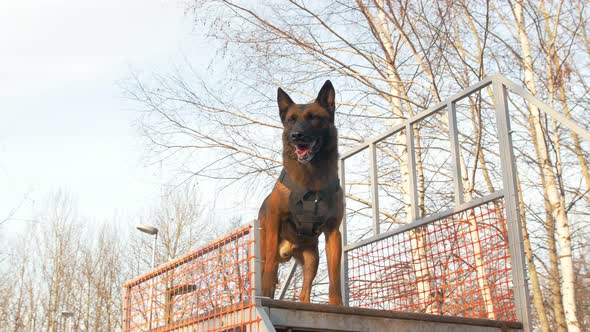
295 317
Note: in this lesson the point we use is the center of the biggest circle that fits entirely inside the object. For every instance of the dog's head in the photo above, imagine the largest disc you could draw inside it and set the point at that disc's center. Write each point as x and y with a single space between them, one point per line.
308 128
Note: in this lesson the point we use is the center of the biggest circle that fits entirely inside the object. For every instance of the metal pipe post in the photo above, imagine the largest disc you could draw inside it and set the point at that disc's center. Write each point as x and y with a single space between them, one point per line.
455 153
343 232
513 221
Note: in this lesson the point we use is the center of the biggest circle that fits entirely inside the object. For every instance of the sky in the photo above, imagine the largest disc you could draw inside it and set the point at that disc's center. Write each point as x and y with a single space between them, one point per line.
65 123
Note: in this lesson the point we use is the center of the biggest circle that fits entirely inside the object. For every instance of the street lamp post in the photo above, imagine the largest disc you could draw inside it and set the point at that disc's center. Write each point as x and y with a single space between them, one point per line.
151 230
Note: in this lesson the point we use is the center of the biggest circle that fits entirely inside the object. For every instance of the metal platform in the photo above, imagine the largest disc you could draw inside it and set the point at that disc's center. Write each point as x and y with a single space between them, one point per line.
294 317
458 264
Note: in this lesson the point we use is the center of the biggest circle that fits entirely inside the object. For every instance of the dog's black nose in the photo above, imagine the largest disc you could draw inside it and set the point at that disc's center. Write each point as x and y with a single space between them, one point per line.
296 136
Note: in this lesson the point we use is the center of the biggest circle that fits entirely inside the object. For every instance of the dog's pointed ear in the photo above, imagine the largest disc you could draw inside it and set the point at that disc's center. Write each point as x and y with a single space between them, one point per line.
284 102
326 97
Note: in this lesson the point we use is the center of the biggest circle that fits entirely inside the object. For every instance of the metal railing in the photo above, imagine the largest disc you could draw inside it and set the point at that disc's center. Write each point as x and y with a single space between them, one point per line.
507 194
211 289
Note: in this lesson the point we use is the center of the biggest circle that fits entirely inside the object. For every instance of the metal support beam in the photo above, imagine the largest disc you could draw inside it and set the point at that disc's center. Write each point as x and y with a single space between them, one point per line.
256 264
513 221
290 274
455 153
374 187
542 106
412 182
344 234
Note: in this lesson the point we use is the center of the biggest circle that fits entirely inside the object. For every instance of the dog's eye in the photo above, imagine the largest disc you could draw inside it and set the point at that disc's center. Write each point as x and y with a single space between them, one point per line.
315 118
291 120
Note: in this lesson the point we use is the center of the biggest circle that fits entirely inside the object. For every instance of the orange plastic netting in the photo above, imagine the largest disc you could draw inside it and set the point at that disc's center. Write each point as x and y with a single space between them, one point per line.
456 266
210 289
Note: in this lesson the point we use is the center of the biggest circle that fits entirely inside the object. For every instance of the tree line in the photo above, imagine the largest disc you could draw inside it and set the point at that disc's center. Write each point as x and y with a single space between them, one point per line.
67 262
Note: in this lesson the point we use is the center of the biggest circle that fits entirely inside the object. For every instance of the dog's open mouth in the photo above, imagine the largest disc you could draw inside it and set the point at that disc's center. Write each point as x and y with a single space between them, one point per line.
304 151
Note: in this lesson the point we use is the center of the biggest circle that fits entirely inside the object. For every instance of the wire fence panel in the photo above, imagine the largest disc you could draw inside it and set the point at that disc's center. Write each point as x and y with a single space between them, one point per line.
455 266
211 289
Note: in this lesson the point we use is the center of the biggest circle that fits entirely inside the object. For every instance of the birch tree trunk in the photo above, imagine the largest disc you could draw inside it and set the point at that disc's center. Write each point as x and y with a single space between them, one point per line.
417 239
528 251
530 84
554 203
556 198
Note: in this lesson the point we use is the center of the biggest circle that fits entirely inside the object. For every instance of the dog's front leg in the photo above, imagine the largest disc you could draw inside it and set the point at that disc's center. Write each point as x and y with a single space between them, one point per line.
271 263
334 256
309 259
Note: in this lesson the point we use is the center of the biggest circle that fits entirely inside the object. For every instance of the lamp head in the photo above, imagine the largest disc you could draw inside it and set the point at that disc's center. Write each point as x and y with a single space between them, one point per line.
67 314
151 230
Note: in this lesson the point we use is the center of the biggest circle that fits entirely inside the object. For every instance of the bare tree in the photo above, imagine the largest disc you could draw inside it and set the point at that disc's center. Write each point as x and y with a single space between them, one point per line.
58 266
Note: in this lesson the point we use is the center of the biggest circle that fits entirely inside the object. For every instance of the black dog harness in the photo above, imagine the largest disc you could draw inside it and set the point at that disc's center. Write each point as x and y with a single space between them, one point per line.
309 209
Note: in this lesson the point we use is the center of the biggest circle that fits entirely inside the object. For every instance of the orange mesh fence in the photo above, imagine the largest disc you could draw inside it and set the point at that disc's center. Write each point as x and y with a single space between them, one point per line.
211 289
456 266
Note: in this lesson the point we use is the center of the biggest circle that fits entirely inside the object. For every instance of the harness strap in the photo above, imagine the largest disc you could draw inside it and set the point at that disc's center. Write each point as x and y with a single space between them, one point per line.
309 209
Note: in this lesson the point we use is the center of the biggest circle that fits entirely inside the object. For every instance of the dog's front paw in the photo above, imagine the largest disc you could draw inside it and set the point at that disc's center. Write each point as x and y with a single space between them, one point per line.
335 299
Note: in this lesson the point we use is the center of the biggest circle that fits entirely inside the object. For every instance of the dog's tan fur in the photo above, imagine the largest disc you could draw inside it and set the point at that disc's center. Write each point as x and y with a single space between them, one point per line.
315 122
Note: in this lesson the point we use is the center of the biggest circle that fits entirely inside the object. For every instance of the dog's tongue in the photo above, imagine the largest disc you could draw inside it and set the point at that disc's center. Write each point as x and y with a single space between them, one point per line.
302 149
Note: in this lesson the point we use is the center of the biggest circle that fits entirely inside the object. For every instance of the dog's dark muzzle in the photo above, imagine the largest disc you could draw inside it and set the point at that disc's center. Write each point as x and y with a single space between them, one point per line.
305 146
297 137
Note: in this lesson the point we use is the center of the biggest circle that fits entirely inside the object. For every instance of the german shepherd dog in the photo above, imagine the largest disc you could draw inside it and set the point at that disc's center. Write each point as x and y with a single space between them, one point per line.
307 199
